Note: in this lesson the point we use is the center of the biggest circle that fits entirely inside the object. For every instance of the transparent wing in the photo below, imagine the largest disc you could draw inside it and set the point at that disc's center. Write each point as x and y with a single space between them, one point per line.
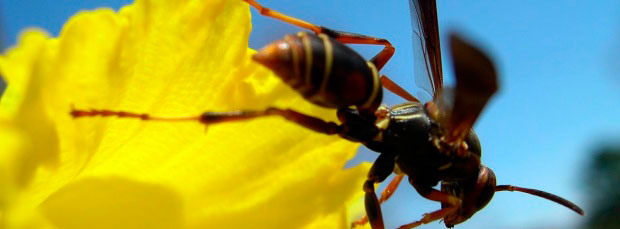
426 49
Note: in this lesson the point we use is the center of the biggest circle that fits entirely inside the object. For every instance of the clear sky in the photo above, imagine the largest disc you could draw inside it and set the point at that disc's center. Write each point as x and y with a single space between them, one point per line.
559 63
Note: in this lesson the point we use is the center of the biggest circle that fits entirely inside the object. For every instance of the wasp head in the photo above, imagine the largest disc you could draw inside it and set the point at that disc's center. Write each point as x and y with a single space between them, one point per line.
475 195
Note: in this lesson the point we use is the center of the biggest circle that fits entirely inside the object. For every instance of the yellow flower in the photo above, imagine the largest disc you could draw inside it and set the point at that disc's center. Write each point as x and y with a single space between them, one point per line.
165 58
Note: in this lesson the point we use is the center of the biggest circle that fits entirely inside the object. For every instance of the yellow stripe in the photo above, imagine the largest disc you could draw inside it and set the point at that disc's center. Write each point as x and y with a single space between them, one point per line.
375 87
295 78
308 51
329 54
405 117
326 71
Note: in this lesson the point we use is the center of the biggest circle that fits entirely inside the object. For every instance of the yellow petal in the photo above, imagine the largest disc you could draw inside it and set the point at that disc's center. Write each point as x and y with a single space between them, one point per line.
168 58
143 205
23 108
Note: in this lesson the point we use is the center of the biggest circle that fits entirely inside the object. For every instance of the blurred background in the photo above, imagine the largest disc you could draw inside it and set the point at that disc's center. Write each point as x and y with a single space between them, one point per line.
554 125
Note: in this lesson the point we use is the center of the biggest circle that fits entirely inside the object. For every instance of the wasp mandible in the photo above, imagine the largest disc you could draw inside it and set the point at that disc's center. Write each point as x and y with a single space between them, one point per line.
430 143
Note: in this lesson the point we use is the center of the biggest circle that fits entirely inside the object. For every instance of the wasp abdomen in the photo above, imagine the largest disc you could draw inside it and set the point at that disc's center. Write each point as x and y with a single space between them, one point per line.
325 71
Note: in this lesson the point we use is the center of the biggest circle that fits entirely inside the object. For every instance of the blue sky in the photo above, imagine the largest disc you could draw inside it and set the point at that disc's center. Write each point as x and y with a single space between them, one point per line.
559 95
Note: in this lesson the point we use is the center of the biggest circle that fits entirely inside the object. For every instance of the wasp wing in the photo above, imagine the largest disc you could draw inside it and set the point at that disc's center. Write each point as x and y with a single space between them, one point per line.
427 53
476 82
476 79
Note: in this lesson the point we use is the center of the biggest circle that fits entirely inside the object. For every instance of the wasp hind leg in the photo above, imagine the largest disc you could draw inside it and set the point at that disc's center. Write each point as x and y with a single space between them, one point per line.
345 37
208 118
283 17
378 60
396 89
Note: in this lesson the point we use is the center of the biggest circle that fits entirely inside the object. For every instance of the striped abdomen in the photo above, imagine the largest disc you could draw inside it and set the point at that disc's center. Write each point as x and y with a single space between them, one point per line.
325 71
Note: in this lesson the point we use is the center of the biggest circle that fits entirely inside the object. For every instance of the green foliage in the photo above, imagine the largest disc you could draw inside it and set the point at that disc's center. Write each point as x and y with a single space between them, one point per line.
603 181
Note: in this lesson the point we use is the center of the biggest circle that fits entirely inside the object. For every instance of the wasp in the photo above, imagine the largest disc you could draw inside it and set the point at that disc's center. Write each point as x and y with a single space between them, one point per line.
431 143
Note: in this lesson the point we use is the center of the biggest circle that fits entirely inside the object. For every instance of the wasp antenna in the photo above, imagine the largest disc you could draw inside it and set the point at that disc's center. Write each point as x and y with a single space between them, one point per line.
542 194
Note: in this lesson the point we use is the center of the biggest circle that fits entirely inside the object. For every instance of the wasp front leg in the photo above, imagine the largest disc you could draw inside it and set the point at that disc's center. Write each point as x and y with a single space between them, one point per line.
429 217
450 204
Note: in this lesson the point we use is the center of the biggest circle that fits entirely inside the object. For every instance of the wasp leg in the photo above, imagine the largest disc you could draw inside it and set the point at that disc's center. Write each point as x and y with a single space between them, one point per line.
378 60
435 195
283 17
429 217
451 204
391 188
345 37
396 89
385 195
380 170
124 114
307 121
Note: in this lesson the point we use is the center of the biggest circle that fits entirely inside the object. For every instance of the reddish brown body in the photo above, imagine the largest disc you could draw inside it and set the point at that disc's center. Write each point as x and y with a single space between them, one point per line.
325 71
